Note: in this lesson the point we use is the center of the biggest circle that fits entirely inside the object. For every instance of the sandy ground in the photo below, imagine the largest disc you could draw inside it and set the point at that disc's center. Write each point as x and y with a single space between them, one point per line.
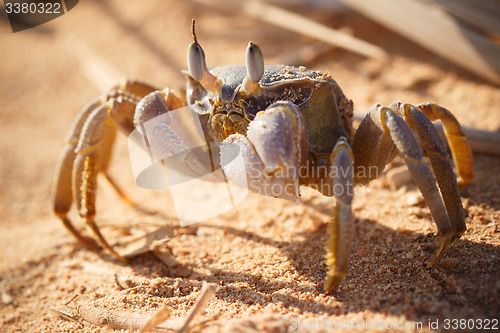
266 257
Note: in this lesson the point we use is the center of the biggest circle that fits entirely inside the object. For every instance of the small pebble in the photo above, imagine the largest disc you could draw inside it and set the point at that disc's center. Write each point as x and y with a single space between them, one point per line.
398 176
410 256
449 262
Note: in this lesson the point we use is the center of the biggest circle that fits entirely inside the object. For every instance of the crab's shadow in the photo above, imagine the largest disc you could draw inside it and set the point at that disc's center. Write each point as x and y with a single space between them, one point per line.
387 272
382 277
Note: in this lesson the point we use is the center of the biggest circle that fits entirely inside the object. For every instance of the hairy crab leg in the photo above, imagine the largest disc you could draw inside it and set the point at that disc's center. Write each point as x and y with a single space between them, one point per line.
89 154
85 169
460 149
373 149
340 230
442 167
373 145
408 146
62 193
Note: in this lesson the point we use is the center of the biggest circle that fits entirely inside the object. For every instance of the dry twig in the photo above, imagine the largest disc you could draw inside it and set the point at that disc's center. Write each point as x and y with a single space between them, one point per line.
206 294
159 322
158 317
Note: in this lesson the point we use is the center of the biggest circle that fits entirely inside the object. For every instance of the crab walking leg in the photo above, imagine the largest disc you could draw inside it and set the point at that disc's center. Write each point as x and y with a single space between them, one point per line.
109 136
408 146
122 105
443 169
155 104
85 169
460 150
108 139
62 193
63 189
340 230
373 149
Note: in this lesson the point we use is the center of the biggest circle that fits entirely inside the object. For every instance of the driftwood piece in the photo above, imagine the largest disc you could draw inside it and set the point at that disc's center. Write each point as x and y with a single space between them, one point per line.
479 141
286 19
158 317
482 14
157 323
437 31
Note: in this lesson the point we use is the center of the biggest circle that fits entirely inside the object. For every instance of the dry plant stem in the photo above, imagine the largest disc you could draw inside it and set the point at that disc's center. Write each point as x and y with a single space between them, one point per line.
102 317
158 317
65 315
206 295
481 14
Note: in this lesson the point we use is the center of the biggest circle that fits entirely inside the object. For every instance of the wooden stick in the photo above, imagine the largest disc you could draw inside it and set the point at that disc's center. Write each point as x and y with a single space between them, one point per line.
437 31
483 14
206 295
101 317
158 317
294 22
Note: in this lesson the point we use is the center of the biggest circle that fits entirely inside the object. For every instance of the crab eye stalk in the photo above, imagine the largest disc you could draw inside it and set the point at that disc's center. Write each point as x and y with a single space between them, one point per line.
254 62
255 68
197 66
196 61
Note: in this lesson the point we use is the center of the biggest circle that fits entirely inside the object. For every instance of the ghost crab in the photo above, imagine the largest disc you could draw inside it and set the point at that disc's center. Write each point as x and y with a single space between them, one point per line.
283 120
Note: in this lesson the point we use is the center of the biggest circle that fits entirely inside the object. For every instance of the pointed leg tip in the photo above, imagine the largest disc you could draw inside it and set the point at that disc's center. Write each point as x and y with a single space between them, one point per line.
333 281
115 254
102 241
89 243
456 236
445 242
124 260
85 241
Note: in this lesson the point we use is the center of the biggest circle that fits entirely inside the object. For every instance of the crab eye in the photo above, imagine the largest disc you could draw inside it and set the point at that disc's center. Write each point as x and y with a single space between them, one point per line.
196 61
254 62
198 68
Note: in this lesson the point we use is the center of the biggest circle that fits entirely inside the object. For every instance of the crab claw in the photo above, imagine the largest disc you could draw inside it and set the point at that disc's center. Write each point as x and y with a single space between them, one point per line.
273 150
